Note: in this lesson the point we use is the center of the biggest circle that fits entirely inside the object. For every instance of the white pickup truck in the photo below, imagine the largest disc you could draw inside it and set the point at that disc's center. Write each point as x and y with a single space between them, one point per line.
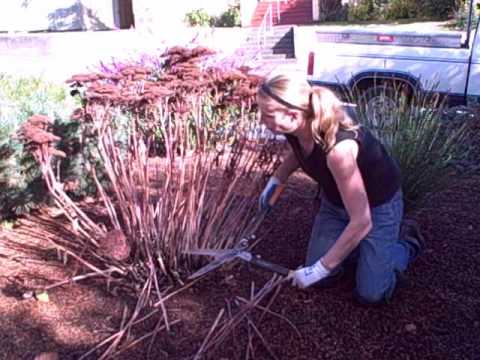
358 59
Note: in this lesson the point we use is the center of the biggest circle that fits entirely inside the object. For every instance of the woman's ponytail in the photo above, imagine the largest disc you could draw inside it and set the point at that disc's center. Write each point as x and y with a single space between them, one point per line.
325 115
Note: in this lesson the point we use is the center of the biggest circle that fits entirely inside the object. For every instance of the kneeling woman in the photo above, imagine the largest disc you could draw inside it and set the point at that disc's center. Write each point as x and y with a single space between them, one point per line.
362 206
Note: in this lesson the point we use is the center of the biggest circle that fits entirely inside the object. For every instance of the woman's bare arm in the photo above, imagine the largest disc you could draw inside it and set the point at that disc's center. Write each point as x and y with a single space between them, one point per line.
287 167
342 163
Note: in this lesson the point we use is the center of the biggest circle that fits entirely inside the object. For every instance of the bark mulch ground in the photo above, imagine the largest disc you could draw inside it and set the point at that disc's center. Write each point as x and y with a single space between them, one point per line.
435 315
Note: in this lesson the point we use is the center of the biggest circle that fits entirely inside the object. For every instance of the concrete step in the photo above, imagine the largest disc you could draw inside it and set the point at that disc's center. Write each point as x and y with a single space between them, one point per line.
282 42
273 57
290 53
277 29
287 52
270 37
255 47
268 54
273 50
279 43
282 50
276 35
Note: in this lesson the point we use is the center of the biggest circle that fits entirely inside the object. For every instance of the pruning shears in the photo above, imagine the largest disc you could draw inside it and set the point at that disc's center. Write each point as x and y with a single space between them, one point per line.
239 251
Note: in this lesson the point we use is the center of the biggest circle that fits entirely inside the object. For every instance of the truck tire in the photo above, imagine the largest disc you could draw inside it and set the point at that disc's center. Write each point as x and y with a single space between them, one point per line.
379 105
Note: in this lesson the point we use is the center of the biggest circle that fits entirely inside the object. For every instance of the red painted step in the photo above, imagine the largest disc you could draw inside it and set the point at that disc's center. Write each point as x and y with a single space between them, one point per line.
291 12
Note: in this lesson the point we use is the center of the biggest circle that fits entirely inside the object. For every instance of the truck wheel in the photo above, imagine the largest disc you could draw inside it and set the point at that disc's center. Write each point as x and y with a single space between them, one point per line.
380 104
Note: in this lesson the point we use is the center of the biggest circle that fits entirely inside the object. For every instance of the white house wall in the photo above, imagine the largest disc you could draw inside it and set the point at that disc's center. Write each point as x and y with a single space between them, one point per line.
41 15
161 15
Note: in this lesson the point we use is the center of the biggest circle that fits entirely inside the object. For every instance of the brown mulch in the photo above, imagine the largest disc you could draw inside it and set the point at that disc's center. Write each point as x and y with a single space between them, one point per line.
435 315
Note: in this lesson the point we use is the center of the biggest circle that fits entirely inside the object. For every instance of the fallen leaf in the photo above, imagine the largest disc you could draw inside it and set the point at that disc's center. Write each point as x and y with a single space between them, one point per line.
42 296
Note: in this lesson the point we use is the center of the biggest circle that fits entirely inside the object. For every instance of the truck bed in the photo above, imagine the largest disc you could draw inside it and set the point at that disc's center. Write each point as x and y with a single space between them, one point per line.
379 36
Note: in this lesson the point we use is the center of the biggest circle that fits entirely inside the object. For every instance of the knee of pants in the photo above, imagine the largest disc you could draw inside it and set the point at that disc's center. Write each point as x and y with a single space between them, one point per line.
370 296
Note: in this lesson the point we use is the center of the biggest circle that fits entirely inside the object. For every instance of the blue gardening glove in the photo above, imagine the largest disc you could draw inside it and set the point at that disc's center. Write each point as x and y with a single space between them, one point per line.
266 195
309 275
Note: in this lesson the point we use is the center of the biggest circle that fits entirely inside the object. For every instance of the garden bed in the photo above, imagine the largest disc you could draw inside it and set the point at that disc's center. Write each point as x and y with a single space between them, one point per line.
435 316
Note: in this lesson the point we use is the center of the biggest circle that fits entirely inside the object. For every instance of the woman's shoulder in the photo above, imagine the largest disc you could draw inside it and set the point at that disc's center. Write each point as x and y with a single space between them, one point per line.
354 134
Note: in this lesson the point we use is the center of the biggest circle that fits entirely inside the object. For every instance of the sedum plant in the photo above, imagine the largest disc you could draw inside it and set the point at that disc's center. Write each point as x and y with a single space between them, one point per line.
175 167
20 98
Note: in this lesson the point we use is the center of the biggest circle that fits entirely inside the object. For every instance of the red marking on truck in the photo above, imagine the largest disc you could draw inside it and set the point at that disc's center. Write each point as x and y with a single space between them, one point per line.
385 38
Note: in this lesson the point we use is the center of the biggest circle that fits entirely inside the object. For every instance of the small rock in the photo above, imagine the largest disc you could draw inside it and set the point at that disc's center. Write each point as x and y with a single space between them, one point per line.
411 328
470 227
28 295
476 324
230 280
89 200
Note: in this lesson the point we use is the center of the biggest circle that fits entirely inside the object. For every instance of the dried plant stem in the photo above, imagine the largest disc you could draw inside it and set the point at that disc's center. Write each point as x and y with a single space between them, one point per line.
210 333
76 279
152 334
266 310
264 342
199 190
224 329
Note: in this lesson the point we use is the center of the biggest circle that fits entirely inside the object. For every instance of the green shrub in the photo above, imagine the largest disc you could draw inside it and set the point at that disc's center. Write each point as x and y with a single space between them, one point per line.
365 10
332 10
229 18
461 17
437 9
20 181
401 9
416 134
199 17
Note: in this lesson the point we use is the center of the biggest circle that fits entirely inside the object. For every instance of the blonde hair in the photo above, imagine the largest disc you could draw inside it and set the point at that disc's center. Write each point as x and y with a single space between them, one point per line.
321 107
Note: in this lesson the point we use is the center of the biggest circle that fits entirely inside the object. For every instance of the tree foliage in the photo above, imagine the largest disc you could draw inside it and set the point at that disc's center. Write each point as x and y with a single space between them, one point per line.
367 10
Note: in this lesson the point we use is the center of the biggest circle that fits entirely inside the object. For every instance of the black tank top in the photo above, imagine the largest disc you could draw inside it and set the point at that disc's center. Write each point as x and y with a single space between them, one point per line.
380 172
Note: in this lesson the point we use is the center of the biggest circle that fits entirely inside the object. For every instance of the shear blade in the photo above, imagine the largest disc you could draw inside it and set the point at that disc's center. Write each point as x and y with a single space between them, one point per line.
226 256
207 252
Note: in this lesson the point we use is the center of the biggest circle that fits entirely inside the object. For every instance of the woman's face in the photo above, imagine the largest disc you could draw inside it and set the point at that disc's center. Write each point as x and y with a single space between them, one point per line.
278 118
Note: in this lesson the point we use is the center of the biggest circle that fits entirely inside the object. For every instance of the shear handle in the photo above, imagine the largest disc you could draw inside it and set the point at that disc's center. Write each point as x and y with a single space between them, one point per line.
269 266
276 194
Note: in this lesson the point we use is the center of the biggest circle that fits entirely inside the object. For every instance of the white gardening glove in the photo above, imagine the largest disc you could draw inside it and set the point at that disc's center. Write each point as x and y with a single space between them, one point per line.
266 195
306 276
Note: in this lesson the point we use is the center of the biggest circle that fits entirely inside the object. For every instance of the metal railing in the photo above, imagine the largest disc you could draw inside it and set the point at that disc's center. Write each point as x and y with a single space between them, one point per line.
266 26
278 11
